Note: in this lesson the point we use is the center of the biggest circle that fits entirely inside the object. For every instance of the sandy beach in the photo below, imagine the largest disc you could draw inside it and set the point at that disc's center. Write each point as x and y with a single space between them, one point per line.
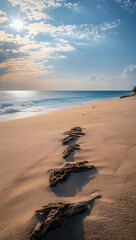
32 147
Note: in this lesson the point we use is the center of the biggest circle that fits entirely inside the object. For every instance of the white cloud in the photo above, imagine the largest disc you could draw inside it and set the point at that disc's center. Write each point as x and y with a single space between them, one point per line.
83 31
130 69
127 4
36 9
70 5
130 74
28 80
32 56
107 26
32 8
125 80
35 56
5 36
23 55
2 13
3 17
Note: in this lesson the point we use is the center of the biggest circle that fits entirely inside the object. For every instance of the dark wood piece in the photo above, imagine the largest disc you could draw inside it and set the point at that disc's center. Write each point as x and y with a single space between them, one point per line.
70 149
62 174
73 134
56 213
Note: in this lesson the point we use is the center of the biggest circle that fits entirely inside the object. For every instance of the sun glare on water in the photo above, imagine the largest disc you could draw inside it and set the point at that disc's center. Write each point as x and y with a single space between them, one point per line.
17 24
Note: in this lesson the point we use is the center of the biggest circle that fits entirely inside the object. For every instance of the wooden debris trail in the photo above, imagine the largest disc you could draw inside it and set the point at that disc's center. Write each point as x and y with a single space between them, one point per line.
56 213
63 173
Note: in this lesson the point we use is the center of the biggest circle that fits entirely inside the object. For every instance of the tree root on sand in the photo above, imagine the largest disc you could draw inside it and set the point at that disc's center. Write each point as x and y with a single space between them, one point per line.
56 213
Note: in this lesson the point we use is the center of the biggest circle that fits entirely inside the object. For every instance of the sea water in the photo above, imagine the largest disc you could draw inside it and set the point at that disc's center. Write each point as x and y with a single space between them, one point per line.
20 104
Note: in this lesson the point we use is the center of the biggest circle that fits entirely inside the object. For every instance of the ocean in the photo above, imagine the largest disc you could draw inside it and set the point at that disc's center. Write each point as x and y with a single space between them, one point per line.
20 104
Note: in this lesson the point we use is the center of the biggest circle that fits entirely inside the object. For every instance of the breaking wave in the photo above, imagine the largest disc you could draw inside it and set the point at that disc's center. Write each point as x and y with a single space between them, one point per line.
4 105
19 104
7 110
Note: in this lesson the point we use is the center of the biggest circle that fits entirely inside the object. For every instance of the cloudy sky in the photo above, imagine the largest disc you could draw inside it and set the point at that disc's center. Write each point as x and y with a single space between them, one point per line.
67 44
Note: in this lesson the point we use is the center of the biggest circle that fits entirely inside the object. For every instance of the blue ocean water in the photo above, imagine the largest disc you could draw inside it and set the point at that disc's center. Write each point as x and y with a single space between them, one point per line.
20 104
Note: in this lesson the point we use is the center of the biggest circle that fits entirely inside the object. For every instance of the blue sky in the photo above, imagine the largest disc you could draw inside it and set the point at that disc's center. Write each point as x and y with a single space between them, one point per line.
67 45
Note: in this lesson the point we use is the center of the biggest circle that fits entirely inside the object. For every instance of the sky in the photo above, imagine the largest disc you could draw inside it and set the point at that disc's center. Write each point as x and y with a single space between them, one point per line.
67 44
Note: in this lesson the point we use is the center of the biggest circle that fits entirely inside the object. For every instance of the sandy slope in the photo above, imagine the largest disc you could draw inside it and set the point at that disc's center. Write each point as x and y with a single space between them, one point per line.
31 147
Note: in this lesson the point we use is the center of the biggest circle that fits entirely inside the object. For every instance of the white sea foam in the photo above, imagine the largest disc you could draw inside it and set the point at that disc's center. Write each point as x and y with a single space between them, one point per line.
3 105
19 104
7 110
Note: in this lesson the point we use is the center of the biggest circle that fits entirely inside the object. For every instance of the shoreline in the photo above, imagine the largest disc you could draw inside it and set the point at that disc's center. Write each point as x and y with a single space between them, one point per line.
26 104
61 109
31 148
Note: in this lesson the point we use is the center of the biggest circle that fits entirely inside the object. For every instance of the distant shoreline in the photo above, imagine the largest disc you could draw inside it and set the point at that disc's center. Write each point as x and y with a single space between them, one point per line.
60 109
49 102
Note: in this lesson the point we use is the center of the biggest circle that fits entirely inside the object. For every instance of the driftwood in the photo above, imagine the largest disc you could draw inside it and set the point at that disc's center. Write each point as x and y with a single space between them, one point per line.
63 173
73 134
55 213
70 149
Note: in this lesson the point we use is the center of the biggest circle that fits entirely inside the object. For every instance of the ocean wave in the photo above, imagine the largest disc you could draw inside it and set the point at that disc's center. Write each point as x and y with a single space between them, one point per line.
8 110
4 105
21 104
62 99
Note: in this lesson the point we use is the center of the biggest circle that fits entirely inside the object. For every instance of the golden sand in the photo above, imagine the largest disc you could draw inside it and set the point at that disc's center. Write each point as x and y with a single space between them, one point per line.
31 147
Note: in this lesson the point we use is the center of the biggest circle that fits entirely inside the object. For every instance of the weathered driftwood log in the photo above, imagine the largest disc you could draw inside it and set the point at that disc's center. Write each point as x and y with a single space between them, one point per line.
62 174
73 134
70 149
55 213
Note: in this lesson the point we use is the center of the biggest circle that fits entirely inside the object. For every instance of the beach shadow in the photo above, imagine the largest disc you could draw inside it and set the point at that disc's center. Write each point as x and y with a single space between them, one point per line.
72 228
70 158
72 142
74 184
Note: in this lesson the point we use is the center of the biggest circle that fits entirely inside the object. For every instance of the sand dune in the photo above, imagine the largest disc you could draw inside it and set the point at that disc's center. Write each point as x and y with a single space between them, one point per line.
31 148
